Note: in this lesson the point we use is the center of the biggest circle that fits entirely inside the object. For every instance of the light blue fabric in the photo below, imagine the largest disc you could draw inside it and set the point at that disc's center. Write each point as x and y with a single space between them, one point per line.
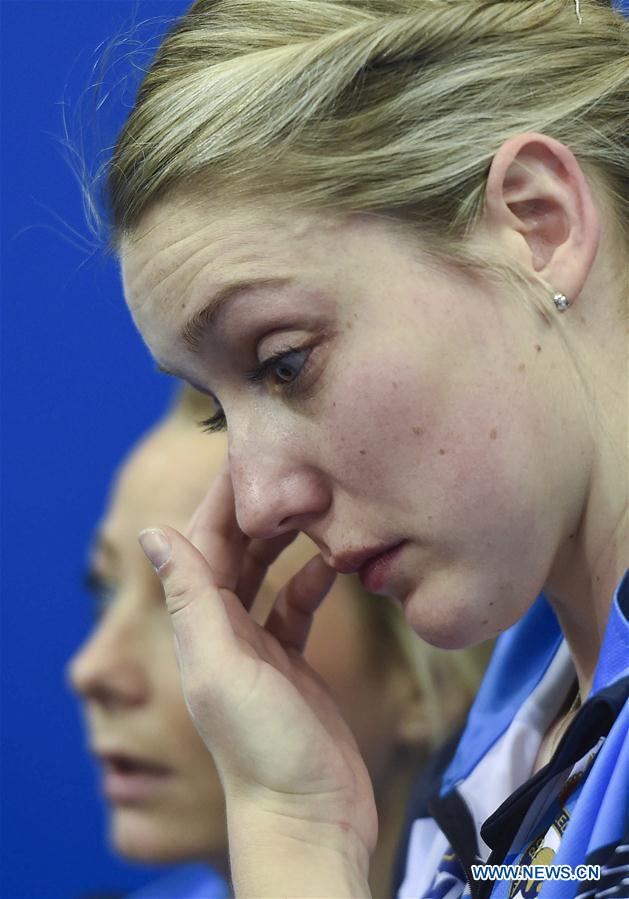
519 662
600 812
191 882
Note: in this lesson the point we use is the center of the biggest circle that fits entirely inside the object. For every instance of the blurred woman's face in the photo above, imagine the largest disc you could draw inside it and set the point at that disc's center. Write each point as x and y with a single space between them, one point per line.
411 421
164 795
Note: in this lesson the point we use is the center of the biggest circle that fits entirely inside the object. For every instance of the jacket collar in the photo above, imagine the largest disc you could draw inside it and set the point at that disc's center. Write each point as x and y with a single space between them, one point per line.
521 659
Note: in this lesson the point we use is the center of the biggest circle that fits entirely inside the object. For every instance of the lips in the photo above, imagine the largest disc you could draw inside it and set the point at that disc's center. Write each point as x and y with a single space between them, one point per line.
128 779
372 565
375 572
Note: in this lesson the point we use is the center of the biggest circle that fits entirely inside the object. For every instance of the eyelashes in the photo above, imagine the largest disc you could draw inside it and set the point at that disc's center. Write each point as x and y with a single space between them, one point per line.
284 367
214 423
102 592
285 364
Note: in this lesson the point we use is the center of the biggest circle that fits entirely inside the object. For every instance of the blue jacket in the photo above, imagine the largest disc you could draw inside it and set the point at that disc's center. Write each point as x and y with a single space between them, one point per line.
575 810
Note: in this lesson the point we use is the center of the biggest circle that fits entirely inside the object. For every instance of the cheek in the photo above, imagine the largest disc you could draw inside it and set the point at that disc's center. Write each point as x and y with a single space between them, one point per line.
396 435
415 432
485 521
171 717
175 719
199 790
374 417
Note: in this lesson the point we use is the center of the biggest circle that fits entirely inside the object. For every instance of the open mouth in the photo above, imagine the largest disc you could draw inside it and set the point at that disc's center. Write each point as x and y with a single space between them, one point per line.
124 764
131 780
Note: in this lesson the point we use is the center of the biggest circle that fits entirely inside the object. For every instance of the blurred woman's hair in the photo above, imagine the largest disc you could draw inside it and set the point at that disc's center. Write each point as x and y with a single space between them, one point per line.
388 107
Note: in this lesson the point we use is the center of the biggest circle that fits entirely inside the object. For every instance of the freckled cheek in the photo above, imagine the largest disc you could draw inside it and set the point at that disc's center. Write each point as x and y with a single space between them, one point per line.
458 471
392 425
469 475
375 420
485 483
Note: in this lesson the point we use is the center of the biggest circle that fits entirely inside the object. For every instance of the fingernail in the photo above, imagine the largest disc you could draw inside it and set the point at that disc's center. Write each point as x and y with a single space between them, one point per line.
156 547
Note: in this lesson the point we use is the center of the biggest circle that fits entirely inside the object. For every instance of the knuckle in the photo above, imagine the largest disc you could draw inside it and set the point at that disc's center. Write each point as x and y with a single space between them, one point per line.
179 593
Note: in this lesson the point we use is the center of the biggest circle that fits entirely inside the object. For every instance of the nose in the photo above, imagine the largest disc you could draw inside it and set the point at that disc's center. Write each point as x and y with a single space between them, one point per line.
107 668
274 495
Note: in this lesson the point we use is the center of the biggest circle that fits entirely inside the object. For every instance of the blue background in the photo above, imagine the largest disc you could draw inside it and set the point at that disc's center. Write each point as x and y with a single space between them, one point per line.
78 389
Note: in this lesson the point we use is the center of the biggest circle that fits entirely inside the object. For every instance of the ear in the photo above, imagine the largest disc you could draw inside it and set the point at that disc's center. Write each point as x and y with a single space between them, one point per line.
539 204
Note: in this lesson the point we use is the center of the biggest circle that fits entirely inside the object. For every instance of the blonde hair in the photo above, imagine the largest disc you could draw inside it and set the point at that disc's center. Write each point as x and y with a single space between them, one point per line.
446 679
393 107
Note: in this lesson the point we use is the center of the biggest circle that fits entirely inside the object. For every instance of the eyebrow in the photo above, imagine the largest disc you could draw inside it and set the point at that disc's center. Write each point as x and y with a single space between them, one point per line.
102 556
204 319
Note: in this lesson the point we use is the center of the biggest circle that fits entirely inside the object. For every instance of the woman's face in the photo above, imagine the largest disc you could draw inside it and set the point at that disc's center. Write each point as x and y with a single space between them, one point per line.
373 401
157 773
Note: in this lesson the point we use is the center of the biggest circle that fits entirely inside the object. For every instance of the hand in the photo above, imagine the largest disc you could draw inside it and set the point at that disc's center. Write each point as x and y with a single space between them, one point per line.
280 744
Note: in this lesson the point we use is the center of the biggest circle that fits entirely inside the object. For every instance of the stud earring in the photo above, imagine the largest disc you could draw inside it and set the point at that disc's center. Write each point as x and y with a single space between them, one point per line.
561 302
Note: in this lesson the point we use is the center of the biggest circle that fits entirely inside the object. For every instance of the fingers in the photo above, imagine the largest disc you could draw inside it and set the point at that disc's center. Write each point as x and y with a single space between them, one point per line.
238 563
255 563
214 530
291 616
202 627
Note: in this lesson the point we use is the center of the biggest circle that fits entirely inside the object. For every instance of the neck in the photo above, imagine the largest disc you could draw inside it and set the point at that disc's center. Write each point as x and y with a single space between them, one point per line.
582 596
594 555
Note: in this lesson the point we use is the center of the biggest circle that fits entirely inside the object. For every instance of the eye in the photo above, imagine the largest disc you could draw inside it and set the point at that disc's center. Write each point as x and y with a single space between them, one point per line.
102 591
288 366
282 369
285 366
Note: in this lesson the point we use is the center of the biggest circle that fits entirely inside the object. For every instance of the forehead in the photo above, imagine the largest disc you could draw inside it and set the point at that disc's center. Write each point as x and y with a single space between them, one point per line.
237 233
185 249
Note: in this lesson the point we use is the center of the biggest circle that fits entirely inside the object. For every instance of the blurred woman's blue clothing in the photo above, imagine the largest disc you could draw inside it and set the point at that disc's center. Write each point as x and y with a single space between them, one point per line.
191 882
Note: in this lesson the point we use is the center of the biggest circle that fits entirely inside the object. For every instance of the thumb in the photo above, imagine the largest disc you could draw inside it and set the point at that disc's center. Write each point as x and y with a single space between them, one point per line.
198 615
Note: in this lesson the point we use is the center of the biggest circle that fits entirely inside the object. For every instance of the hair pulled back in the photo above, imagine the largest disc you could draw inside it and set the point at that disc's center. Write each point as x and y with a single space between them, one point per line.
386 106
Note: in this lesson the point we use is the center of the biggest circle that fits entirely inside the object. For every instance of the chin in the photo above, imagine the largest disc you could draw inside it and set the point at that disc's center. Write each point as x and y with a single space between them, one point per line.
146 836
449 616
447 636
